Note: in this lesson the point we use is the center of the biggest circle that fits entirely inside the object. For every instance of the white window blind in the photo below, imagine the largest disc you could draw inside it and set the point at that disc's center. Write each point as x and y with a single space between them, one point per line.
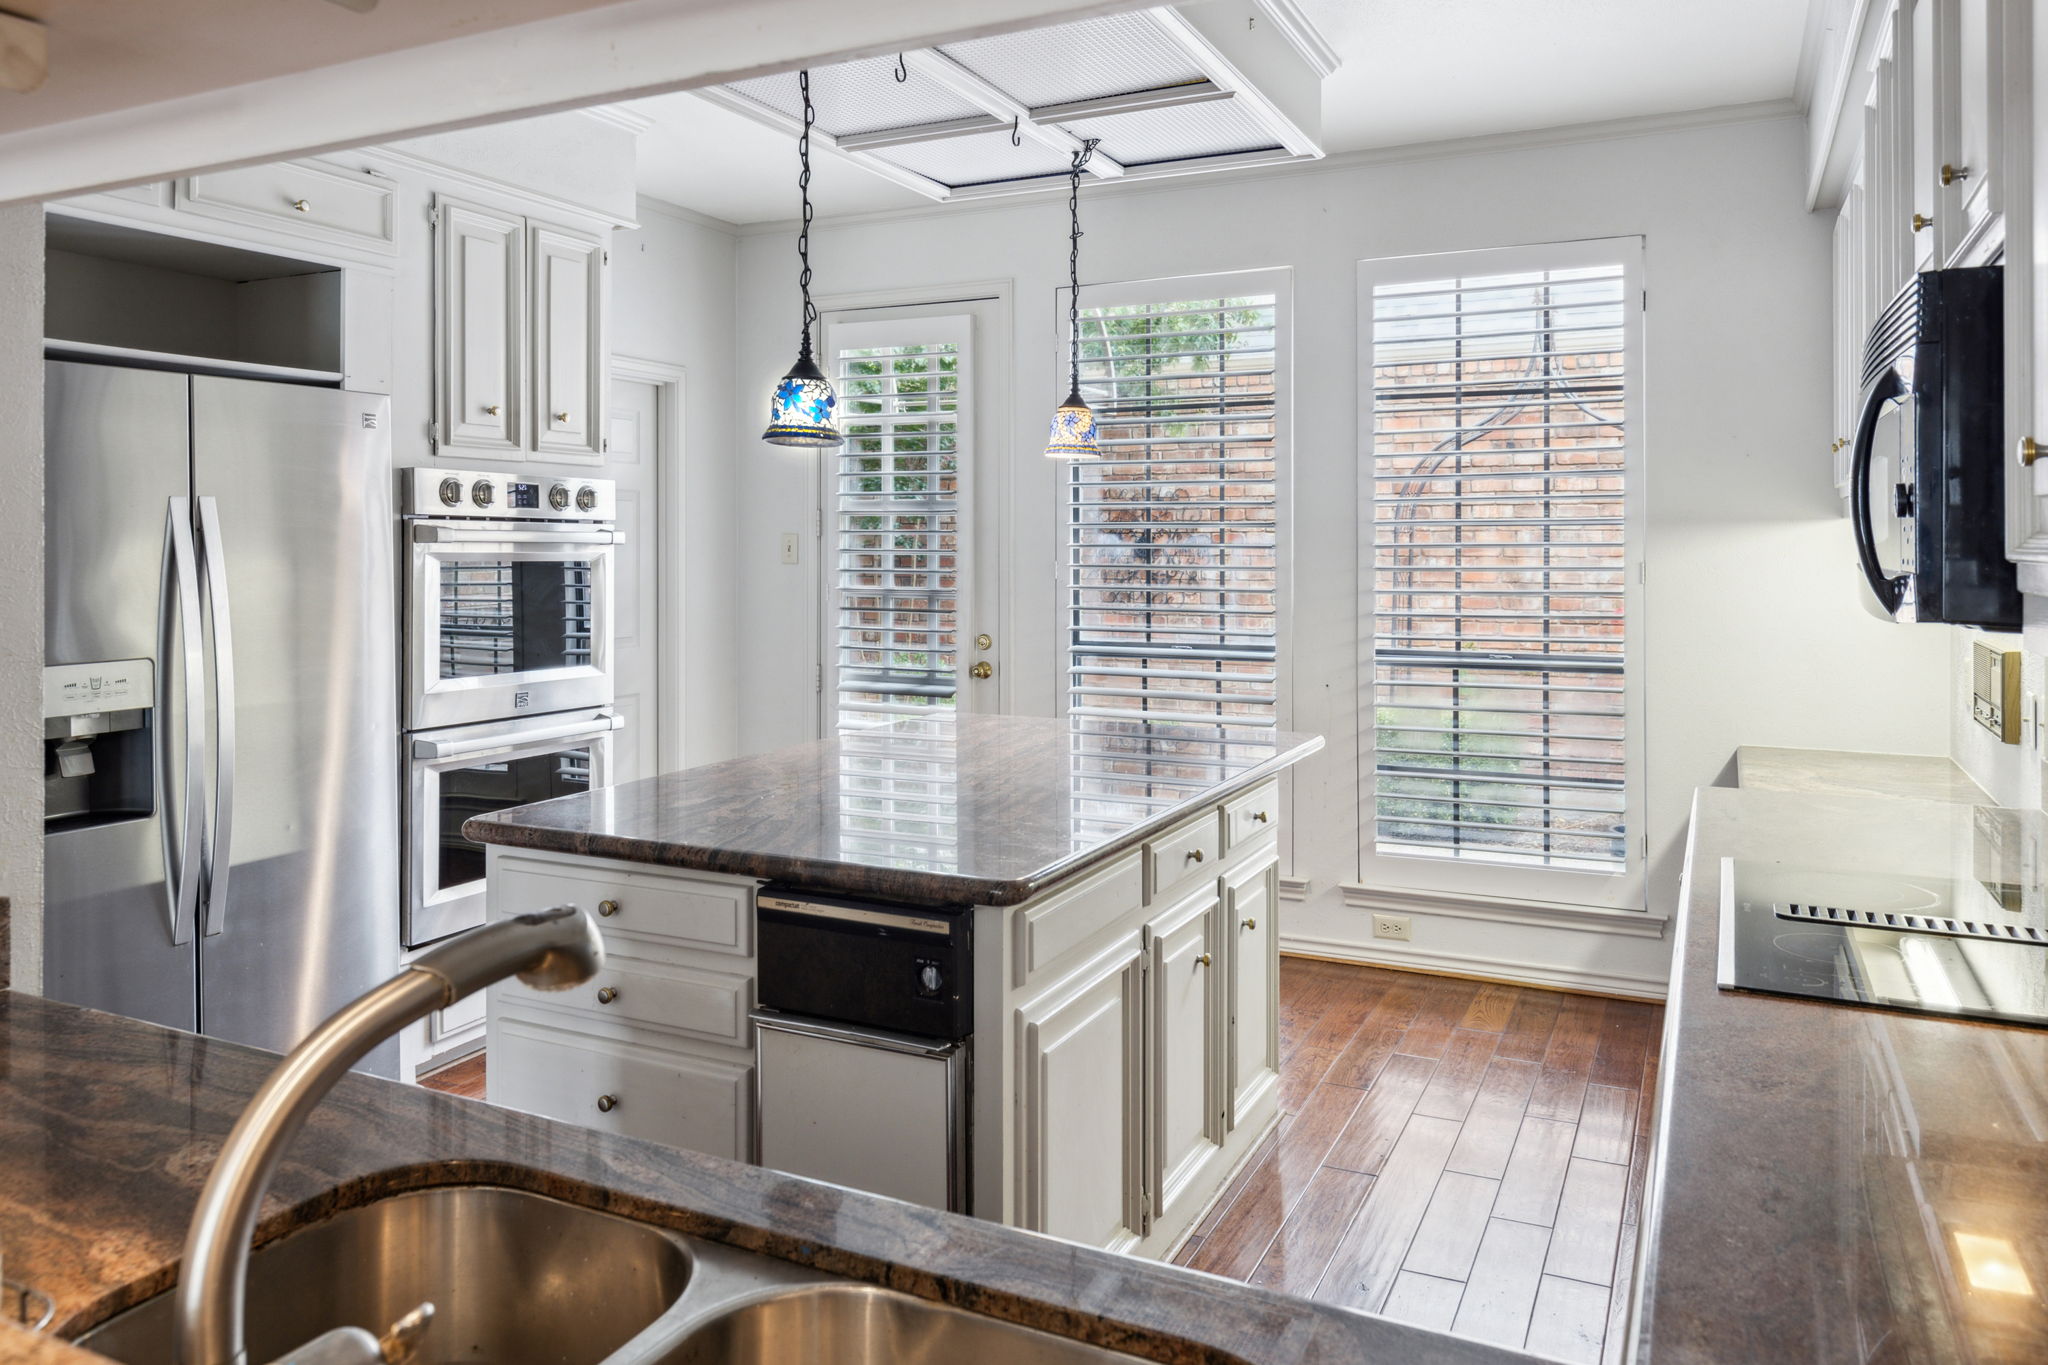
895 512
1173 578
1499 553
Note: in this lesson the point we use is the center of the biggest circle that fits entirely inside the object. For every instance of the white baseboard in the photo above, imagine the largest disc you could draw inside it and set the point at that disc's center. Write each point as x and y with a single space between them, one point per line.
1402 955
1580 919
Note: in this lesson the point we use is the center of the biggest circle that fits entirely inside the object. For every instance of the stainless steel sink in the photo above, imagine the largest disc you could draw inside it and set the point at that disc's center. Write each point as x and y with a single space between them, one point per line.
515 1279
858 1324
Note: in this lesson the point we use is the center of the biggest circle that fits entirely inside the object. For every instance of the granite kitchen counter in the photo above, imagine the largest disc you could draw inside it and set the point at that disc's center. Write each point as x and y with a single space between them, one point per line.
1828 1177
1834 772
968 810
109 1126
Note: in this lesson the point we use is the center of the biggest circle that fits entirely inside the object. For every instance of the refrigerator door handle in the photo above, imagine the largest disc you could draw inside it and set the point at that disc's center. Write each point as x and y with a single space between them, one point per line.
180 594
220 849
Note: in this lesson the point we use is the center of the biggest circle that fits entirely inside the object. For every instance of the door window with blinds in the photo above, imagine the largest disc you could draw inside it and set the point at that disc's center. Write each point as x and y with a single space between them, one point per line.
1500 545
1173 592
896 507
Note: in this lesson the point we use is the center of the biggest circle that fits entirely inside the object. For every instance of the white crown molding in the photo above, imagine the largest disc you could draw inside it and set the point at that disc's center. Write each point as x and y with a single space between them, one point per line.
662 208
1812 52
490 188
1507 910
1409 958
1565 135
619 116
1307 39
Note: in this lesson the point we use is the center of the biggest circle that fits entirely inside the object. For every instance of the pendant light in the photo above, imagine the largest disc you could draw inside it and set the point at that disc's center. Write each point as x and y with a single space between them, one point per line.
803 409
1073 424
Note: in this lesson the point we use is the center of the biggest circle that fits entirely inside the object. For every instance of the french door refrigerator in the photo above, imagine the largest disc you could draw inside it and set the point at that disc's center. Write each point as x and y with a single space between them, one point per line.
239 536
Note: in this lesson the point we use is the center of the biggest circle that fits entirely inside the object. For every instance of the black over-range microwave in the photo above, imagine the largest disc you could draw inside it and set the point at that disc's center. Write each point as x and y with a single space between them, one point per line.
1927 482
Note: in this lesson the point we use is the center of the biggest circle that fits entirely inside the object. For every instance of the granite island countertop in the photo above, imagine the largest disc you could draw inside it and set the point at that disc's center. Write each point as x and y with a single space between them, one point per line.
108 1127
1815 1162
967 810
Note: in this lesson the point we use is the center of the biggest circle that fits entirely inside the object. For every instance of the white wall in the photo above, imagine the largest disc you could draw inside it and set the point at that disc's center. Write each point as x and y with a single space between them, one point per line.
21 606
673 301
1753 634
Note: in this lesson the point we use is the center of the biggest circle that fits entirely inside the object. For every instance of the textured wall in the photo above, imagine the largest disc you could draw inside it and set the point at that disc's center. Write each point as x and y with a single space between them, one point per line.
21 592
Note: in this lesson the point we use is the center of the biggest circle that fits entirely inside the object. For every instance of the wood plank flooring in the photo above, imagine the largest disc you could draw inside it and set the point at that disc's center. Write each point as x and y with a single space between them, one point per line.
464 1078
1464 1156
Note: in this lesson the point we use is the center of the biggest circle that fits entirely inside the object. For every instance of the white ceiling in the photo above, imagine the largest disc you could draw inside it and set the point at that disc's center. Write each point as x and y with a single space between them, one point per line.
1411 71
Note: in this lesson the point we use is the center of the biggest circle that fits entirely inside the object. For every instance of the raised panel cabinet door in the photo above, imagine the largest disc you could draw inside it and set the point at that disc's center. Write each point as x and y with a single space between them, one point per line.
1188 1112
2026 286
1250 896
479 365
1978 30
569 360
1081 1111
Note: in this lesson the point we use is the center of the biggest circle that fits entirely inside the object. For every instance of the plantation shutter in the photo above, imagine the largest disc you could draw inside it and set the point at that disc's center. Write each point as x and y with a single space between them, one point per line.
1498 544
1172 571
895 504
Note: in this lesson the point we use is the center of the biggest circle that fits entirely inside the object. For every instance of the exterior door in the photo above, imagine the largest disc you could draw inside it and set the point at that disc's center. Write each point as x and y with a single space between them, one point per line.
634 463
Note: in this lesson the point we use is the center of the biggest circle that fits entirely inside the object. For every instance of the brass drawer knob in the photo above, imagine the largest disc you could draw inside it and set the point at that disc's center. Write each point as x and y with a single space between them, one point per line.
1951 174
301 206
1921 222
1203 960
1249 924
492 409
607 908
2030 451
1261 817
607 994
561 417
607 1103
1194 855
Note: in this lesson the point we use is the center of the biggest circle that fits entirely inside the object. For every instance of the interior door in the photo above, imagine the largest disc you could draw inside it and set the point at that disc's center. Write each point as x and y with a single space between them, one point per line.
634 463
908 567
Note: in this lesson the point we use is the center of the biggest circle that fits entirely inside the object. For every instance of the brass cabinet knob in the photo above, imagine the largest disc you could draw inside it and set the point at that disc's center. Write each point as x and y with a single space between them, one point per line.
1951 174
1194 855
982 671
1261 817
607 994
607 1103
492 409
561 417
1921 222
1249 924
1837 444
301 206
1202 961
2030 451
607 908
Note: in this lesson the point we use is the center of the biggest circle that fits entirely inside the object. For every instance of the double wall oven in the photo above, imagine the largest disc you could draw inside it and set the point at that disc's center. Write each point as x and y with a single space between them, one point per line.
508 666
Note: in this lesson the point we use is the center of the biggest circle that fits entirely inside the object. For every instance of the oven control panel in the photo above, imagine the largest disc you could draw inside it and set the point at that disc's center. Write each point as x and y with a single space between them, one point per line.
486 493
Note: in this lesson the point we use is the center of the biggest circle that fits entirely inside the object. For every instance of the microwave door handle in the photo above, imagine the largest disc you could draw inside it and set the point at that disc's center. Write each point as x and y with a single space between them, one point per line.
513 738
178 608
220 850
435 533
1890 591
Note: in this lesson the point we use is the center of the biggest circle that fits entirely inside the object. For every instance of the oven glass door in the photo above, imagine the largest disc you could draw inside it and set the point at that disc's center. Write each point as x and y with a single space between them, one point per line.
469 771
504 623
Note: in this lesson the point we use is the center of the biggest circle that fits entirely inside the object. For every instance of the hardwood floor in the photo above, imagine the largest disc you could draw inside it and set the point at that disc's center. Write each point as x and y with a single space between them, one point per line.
464 1078
1465 1156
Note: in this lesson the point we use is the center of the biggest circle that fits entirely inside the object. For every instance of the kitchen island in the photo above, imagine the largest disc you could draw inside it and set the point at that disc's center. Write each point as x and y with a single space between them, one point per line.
1116 884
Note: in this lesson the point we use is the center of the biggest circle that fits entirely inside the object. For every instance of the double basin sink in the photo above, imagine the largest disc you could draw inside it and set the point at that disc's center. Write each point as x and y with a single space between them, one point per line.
521 1279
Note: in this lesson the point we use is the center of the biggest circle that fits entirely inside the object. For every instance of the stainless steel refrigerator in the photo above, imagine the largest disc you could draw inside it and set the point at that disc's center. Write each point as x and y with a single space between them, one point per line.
228 862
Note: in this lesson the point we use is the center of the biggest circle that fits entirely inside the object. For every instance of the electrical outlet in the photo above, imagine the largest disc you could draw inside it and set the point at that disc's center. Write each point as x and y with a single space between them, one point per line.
1390 926
789 547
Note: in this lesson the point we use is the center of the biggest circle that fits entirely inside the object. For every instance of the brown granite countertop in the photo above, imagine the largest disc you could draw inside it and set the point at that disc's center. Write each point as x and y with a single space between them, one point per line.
1814 1163
108 1127
967 810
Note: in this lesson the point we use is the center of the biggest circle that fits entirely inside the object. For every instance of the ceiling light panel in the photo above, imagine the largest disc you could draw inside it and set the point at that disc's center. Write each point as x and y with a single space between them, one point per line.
1151 135
1113 55
860 97
978 159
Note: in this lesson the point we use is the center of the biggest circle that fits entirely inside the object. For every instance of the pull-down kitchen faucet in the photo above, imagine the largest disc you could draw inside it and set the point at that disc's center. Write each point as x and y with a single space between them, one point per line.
552 950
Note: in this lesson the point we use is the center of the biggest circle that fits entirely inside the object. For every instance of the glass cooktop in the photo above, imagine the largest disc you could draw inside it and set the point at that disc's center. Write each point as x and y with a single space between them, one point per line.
1932 945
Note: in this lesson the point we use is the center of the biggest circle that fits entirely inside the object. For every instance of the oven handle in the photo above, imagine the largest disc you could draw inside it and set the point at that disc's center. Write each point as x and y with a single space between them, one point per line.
432 533
520 737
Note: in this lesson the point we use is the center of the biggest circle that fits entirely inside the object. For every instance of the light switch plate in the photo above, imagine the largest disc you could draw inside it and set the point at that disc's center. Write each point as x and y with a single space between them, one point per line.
789 551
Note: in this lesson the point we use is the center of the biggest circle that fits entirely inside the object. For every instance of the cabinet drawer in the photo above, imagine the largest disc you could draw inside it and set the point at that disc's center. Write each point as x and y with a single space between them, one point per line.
711 1005
714 916
1247 817
1182 854
1068 918
305 198
694 1102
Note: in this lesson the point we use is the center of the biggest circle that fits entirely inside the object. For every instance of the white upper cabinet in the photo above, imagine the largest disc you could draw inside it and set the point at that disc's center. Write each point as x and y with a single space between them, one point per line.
479 293
568 343
1971 177
2026 289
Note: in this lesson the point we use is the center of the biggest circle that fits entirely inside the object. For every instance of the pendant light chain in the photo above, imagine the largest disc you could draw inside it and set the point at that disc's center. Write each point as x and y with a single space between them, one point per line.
803 184
1074 263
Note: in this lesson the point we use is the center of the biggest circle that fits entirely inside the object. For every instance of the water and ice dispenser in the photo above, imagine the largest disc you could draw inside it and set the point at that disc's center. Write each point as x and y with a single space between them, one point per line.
97 753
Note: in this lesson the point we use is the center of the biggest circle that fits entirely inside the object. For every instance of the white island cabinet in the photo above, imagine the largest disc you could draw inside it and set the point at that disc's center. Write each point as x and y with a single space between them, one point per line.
1124 1058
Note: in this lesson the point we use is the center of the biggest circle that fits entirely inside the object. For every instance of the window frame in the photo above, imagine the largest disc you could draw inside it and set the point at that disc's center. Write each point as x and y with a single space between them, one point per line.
1475 876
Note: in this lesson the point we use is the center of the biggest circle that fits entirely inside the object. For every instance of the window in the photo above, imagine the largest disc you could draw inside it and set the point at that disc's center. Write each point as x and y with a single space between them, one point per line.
894 500
1500 550
1172 606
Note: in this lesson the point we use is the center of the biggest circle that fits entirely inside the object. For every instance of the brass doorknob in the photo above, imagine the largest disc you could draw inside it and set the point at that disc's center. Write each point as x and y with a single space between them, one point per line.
607 994
1921 221
1203 960
2030 451
982 671
1249 924
1951 174
607 908
607 1103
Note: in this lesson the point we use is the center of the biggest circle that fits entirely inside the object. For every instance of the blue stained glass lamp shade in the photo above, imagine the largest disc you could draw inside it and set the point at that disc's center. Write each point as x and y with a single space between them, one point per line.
1073 431
804 408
